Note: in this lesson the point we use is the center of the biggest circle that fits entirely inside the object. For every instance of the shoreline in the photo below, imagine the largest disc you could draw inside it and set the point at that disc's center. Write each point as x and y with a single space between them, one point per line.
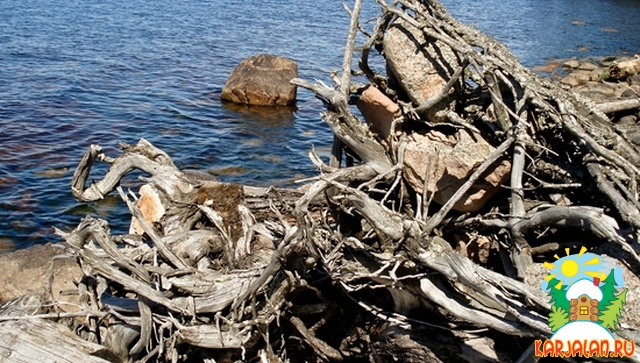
582 75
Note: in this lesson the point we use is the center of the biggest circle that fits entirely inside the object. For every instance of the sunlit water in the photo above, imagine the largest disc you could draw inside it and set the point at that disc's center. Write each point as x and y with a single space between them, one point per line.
77 72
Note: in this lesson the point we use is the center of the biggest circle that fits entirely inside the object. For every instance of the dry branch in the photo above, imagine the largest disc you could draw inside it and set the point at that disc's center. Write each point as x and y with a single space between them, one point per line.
617 106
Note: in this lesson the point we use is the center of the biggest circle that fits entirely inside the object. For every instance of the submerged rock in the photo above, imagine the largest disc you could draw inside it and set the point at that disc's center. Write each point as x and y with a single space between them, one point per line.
6 245
262 80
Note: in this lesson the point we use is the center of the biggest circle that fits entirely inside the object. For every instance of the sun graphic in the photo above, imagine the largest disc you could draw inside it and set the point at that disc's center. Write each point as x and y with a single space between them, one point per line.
571 268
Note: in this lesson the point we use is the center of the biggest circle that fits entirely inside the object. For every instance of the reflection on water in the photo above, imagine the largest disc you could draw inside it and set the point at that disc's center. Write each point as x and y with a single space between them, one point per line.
264 116
76 73
536 31
6 245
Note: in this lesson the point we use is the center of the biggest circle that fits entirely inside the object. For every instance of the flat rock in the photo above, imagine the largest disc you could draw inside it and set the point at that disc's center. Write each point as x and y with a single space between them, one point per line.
262 80
576 78
630 92
547 68
451 159
571 63
598 91
27 271
634 80
598 74
587 66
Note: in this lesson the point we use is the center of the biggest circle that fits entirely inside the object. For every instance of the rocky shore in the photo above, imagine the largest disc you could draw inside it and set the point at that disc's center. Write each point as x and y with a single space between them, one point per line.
603 80
175 295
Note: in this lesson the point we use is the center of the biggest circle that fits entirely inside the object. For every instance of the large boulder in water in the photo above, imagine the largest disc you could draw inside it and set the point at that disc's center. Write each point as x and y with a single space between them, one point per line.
262 80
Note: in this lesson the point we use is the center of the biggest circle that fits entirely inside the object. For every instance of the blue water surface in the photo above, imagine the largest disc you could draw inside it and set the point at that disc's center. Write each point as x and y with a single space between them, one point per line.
74 73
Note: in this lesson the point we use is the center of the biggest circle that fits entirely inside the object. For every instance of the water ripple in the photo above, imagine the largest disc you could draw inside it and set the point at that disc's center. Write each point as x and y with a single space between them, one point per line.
77 72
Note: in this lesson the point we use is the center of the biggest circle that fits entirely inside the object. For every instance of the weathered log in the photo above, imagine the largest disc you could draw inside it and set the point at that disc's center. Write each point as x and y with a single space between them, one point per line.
621 105
38 340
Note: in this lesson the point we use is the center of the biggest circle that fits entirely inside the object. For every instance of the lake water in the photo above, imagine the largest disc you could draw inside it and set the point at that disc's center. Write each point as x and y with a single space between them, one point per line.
77 72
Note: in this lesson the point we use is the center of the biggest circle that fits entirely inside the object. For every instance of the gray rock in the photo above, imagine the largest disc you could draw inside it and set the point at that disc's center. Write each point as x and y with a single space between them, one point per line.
629 93
571 63
608 89
421 67
595 96
587 66
598 74
262 80
634 80
607 61
26 272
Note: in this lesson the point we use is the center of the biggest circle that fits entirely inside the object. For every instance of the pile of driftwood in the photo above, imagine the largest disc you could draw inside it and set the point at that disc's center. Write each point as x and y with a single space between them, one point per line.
361 264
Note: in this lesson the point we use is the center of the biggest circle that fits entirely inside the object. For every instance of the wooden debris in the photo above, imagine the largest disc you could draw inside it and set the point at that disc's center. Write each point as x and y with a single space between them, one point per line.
360 265
39 340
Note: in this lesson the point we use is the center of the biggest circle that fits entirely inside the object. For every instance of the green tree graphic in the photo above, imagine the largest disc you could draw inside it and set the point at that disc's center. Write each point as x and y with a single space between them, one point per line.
558 296
608 292
558 318
611 314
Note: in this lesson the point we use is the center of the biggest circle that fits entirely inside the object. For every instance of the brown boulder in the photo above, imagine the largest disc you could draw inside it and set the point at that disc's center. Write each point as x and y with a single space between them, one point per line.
547 68
378 111
262 80
576 78
452 159
421 67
